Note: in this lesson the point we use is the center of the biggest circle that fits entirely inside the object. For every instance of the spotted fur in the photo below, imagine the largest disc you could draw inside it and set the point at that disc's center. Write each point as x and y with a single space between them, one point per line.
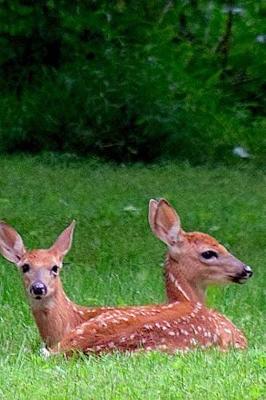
183 324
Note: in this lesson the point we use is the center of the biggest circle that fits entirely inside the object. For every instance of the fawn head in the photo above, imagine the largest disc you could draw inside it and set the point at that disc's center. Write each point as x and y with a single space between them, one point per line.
205 260
40 268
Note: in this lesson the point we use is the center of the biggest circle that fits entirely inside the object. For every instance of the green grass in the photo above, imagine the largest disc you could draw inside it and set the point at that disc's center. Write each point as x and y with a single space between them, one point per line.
116 260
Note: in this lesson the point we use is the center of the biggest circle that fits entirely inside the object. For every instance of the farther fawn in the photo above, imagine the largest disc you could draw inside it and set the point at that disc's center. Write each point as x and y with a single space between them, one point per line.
193 261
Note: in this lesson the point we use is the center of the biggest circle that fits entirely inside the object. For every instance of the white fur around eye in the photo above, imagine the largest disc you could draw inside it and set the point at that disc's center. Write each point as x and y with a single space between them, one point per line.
55 270
209 255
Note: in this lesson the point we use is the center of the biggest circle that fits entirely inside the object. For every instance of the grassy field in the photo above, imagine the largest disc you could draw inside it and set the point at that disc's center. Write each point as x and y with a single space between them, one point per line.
116 260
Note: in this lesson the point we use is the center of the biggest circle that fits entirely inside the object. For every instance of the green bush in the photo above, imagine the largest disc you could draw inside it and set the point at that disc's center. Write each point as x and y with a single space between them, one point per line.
132 80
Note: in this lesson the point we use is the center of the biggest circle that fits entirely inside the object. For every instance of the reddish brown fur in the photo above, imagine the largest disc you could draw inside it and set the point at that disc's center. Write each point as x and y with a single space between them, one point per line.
57 319
55 314
183 324
177 326
192 276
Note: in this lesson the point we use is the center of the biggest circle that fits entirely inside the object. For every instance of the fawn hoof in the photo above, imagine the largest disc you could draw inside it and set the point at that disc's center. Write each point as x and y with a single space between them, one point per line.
45 353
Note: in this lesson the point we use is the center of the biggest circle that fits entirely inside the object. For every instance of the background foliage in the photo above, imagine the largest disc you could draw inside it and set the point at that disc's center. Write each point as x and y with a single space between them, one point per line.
133 80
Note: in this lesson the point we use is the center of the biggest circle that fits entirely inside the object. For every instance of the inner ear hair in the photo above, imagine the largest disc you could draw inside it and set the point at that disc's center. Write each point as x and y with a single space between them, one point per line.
168 214
174 235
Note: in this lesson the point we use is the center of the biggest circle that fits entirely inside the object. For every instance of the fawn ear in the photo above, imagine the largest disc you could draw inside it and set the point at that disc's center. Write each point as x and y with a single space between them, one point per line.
63 243
153 206
164 221
11 244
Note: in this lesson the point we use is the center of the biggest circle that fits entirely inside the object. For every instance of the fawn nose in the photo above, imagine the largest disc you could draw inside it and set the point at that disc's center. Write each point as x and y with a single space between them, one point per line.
244 275
248 271
38 289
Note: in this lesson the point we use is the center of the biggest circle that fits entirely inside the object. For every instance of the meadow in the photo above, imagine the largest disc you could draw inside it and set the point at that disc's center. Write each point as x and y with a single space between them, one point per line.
116 260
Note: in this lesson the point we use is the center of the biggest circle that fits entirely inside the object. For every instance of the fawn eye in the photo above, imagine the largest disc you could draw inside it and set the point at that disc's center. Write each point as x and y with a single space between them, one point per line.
25 268
55 269
209 254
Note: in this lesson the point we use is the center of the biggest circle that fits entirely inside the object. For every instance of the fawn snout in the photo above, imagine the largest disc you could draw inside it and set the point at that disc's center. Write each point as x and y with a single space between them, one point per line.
235 270
244 275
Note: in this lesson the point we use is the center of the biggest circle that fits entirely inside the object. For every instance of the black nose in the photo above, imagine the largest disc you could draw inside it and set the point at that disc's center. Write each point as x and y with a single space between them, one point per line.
248 271
38 289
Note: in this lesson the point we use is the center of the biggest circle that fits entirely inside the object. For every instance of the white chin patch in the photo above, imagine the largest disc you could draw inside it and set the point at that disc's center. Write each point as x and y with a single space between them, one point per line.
243 280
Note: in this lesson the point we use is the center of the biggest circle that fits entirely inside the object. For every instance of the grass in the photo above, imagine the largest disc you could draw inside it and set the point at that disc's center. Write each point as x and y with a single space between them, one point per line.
116 260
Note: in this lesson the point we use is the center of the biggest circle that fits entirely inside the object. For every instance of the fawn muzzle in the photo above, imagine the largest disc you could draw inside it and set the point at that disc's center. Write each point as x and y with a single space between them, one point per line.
244 275
38 289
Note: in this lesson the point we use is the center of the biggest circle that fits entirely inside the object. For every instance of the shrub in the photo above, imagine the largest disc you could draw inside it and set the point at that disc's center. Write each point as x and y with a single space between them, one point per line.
132 80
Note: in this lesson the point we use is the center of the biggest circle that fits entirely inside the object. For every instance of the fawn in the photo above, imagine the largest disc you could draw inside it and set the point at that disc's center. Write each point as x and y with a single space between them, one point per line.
54 313
194 260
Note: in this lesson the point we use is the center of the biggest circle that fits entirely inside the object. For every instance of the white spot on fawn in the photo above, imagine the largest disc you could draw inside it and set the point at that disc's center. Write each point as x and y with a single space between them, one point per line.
179 287
227 330
148 326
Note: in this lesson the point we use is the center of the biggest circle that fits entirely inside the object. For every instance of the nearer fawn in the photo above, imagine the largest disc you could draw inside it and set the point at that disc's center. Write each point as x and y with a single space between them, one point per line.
54 313
193 261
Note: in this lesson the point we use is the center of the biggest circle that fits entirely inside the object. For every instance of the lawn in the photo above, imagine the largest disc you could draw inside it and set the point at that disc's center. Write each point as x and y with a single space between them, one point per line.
115 259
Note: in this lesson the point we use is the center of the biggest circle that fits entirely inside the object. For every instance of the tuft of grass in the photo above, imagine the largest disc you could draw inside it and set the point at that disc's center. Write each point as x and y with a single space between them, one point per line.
116 260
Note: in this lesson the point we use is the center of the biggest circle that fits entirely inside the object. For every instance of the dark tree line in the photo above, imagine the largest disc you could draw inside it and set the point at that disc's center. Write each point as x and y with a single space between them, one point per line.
133 80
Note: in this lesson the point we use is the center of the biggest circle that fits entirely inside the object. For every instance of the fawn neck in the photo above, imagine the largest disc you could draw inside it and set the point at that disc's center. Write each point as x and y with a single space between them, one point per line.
56 315
178 288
